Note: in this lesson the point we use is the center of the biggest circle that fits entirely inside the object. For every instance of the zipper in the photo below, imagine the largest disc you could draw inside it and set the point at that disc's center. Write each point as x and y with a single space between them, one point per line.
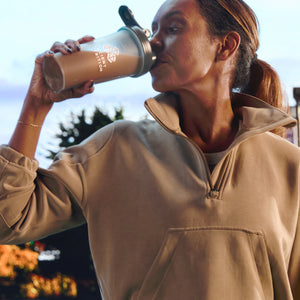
224 172
214 190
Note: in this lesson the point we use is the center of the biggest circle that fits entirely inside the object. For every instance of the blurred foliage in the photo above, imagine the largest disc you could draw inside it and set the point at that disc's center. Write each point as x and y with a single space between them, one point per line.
80 128
20 276
13 259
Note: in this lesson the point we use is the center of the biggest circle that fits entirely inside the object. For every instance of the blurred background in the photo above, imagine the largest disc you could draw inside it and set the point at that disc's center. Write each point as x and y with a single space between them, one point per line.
29 28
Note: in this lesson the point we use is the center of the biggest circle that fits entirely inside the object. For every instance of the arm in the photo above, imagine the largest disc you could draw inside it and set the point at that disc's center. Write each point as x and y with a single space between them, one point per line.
34 202
32 205
39 100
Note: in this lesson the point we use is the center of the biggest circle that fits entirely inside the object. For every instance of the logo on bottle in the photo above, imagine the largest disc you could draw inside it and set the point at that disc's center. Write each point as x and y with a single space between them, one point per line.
108 54
112 53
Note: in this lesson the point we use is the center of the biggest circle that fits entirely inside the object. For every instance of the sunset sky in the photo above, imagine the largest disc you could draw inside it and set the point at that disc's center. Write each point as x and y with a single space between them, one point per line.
30 27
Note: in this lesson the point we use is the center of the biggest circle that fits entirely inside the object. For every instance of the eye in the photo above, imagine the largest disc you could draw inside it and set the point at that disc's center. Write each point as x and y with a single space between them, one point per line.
173 28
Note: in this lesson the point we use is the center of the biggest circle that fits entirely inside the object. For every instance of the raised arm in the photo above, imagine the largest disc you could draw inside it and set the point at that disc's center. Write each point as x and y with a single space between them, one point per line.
39 100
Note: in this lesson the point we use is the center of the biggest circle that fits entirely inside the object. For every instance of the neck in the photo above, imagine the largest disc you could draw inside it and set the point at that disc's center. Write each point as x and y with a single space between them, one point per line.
208 119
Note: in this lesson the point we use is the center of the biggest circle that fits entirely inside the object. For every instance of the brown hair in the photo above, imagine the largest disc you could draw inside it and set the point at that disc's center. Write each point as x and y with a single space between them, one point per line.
252 76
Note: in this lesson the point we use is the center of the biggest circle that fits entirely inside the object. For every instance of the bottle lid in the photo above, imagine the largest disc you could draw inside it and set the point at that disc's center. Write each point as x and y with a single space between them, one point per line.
141 36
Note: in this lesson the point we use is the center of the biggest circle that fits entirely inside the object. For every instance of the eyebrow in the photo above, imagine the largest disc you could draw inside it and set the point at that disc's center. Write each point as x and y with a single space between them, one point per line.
169 15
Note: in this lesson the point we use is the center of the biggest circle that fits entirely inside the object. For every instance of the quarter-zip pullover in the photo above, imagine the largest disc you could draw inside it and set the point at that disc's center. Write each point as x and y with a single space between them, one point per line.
161 225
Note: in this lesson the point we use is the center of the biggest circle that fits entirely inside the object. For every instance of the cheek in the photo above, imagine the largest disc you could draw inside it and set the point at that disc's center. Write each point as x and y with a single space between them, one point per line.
199 60
188 55
191 64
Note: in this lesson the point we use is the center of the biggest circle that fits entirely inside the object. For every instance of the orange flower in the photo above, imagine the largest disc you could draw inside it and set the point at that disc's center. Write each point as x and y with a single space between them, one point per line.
7 262
30 291
13 257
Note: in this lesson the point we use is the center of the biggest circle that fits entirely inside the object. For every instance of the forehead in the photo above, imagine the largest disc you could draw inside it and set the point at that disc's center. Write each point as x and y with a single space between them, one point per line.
188 8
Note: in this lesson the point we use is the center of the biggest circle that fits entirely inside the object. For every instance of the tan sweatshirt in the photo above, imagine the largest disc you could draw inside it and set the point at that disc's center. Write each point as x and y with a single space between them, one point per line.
161 226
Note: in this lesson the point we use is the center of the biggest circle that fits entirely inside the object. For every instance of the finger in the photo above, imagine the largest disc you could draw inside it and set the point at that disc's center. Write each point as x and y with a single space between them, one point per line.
39 59
85 88
73 45
86 39
61 47
91 87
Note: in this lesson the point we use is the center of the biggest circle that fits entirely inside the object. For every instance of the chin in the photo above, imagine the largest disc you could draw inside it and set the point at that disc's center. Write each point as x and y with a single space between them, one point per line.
160 85
160 89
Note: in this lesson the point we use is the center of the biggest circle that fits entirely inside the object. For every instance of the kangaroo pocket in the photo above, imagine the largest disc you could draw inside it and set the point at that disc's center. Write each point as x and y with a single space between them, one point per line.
210 264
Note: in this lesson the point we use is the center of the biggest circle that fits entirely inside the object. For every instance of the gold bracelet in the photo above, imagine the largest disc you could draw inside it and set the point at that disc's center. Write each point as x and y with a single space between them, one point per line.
29 124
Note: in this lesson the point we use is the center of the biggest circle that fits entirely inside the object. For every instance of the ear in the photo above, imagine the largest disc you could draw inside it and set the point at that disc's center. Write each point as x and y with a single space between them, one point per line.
229 45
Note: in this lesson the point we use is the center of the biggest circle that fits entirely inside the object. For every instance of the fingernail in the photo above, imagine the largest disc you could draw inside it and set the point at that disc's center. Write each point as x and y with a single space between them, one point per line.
77 47
91 85
50 52
69 49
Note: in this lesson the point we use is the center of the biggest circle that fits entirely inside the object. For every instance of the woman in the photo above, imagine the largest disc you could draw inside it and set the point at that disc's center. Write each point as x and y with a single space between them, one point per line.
203 203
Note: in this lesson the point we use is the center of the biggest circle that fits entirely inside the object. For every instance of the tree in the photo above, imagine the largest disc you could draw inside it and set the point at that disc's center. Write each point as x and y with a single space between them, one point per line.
80 128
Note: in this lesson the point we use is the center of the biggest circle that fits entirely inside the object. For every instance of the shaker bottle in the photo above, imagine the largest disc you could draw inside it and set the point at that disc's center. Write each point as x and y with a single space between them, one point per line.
126 52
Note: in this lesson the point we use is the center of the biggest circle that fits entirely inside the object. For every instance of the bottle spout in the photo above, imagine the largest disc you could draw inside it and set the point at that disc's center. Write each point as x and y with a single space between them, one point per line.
129 20
128 17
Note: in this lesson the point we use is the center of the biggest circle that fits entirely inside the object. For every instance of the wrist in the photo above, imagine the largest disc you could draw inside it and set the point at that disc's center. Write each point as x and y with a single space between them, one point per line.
34 111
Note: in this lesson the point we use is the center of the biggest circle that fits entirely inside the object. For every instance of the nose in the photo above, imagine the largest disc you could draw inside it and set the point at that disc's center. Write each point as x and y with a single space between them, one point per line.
156 43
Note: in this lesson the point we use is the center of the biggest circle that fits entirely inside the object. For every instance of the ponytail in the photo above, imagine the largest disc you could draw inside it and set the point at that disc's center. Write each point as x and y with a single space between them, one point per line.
264 83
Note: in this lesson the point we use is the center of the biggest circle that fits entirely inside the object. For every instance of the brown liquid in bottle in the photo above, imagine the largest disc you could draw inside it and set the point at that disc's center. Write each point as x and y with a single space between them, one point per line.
65 71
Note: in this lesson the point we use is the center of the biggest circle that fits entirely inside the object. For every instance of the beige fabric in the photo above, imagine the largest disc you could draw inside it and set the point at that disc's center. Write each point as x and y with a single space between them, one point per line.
213 158
161 226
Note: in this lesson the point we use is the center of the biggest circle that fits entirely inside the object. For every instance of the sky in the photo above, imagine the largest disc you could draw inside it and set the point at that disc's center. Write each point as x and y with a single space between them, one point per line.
31 27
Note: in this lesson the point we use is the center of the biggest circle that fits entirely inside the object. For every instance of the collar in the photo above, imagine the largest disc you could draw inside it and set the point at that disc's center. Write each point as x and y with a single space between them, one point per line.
256 115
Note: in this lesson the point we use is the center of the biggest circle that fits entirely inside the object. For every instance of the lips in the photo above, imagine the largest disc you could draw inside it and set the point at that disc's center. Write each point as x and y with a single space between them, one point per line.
159 61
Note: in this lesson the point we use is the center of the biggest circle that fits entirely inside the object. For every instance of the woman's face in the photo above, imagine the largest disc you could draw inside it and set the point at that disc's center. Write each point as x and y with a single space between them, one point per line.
185 50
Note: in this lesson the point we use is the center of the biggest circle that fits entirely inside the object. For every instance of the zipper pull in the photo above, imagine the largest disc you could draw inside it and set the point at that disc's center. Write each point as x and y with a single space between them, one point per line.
214 193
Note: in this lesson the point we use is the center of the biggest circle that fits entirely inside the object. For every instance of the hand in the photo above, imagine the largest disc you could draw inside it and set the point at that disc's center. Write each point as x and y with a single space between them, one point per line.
39 94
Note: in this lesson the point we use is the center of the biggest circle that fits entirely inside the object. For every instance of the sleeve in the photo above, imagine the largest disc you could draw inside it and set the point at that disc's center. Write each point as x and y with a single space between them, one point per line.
294 265
294 268
34 202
